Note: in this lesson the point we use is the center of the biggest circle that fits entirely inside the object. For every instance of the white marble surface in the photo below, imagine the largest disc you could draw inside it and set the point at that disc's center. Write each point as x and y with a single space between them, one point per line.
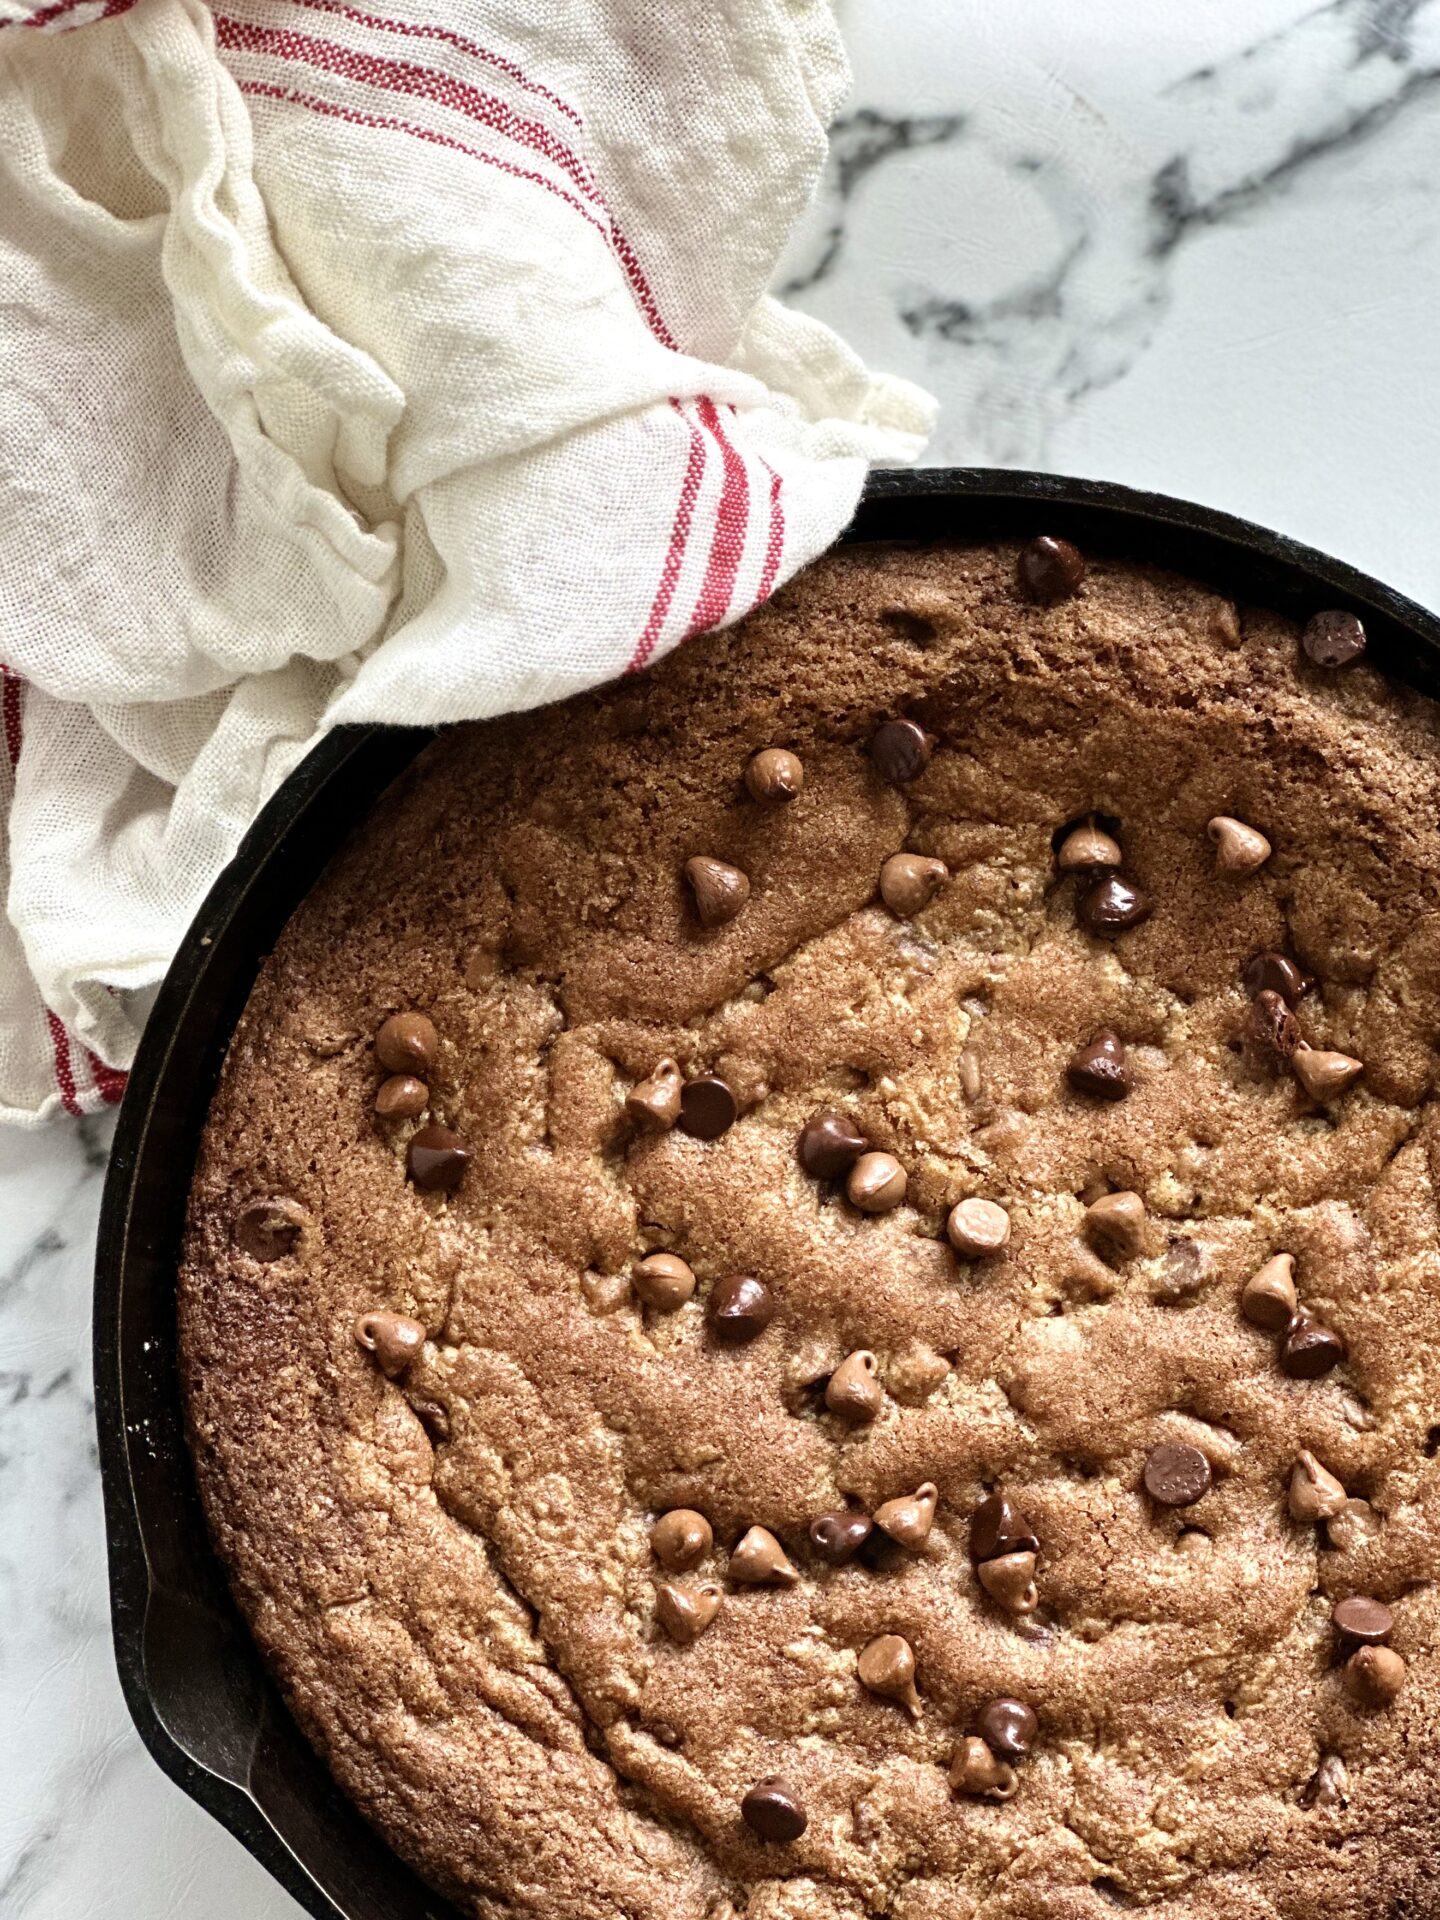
1192 248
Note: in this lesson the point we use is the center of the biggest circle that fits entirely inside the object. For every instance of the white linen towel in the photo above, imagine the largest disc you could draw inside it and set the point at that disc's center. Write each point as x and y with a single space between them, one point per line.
386 362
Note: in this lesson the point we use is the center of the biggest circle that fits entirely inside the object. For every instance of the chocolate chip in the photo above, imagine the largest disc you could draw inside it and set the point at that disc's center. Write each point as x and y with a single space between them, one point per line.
436 1159
1112 906
887 1666
876 1183
720 890
1354 1527
1239 850
680 1539
1361 1621
900 750
1008 1727
1325 1075
1315 1493
998 1527
1182 1271
1333 639
1088 848
829 1145
1329 1786
1009 1579
760 1560
977 1228
853 1390
909 1518
1374 1676
774 1811
908 883
401 1097
406 1043
774 776
394 1339
663 1281
1116 1224
707 1107
269 1229
1309 1350
1049 570
838 1537
655 1100
1268 1298
685 1608
1274 1026
741 1308
1100 1068
1275 973
1176 1476
975 1769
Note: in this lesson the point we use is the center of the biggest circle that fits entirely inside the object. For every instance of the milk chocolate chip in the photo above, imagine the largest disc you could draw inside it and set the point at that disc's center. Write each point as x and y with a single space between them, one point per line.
900 751
908 883
680 1539
707 1107
406 1043
741 1308
975 1769
401 1097
774 776
655 1100
1087 848
664 1281
876 1183
774 1811
1309 1350
760 1561
838 1537
977 1228
1112 906
887 1667
997 1527
1333 639
1315 1493
1325 1075
1269 1299
1374 1676
1239 850
1008 1727
853 1391
1353 1527
909 1518
436 1159
1176 1476
685 1608
1009 1579
1101 1068
269 1229
1049 570
720 890
1115 1223
394 1339
829 1145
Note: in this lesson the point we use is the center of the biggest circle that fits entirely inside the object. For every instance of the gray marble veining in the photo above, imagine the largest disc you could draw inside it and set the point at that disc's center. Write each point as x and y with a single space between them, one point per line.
1196 249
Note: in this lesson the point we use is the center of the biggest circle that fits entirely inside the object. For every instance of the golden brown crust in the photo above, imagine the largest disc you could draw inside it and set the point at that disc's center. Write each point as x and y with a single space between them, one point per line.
451 1573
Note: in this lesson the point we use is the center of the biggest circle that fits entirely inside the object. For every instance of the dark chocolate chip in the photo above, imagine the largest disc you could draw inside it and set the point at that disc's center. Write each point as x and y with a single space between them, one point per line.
837 1537
773 1810
900 750
1333 639
269 1229
1008 1727
1050 570
1274 973
741 1308
1100 1067
707 1107
1176 1476
997 1527
1309 1349
1274 1026
436 1159
1362 1622
829 1145
1112 906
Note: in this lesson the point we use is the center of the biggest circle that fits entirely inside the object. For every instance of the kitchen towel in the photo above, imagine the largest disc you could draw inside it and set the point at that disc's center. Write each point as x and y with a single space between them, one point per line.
375 362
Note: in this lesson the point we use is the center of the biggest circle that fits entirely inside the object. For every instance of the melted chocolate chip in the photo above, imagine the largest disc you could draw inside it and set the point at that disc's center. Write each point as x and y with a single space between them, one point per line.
1274 1026
1100 1068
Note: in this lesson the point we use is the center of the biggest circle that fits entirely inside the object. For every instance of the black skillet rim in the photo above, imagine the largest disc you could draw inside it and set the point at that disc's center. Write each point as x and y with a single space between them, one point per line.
192 1679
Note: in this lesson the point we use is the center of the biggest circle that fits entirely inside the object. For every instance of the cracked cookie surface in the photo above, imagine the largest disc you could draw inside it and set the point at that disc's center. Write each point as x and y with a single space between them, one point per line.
451 1571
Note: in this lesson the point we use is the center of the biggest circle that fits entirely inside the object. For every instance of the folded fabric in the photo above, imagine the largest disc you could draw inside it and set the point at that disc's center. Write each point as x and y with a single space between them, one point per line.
406 365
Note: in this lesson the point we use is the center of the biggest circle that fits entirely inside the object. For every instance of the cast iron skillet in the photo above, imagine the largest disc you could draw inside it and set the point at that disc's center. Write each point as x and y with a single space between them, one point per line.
194 1683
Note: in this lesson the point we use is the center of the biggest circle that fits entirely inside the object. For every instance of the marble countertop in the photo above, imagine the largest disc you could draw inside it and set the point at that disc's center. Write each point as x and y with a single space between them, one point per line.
1200 256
